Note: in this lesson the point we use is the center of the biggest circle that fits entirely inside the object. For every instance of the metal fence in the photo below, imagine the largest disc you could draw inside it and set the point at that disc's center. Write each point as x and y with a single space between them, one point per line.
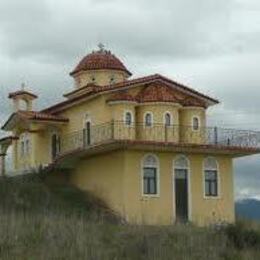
117 130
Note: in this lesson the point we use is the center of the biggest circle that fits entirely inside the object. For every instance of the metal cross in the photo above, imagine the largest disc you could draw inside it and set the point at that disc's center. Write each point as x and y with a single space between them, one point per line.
101 46
23 86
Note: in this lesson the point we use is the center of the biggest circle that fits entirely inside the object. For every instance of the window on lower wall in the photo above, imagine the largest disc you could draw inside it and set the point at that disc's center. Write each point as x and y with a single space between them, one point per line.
211 177
150 175
150 181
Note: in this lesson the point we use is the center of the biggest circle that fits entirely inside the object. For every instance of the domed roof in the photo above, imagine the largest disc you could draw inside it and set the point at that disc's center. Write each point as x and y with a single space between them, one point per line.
100 60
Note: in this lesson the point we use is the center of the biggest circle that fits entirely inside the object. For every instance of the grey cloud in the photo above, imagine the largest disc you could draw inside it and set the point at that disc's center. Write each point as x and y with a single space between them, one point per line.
147 28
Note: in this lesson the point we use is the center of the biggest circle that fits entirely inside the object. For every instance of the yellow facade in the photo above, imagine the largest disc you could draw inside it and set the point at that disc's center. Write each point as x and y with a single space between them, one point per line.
109 148
100 77
120 185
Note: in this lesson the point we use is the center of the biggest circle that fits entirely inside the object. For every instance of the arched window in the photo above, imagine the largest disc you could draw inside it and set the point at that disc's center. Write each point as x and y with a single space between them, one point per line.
195 123
167 119
150 175
211 177
181 162
128 118
27 143
23 145
148 118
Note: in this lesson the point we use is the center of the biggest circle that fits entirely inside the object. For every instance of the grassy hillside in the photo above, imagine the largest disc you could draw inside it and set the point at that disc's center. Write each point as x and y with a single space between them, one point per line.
47 221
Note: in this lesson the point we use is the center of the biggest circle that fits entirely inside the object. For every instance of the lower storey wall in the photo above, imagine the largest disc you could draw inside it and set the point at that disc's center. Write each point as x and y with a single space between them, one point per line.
117 178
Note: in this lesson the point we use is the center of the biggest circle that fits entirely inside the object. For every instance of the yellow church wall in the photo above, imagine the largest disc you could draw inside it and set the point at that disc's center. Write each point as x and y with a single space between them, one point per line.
120 185
41 148
102 176
158 132
121 130
97 110
102 77
187 133
148 210
207 210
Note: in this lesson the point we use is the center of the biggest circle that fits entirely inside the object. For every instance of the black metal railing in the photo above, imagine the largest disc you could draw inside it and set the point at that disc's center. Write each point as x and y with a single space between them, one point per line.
118 130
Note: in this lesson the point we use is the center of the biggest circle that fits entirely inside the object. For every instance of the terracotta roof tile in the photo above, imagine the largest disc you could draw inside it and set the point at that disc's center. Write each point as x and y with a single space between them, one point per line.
99 60
122 96
144 80
157 93
33 115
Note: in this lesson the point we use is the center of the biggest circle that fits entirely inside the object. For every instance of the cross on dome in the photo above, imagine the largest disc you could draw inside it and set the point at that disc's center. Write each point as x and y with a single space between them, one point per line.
101 47
23 86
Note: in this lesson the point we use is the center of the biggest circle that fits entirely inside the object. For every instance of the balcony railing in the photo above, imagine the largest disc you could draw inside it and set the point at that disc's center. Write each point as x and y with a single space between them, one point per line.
158 133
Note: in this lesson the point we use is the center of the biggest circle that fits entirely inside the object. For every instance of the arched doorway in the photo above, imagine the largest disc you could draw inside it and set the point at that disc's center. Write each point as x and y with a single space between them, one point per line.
181 188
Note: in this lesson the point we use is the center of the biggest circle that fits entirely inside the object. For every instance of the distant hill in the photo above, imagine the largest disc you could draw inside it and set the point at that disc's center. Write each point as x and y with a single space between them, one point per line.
248 208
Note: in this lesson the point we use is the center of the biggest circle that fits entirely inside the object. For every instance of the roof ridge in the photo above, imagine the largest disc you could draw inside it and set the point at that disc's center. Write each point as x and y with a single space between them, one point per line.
127 83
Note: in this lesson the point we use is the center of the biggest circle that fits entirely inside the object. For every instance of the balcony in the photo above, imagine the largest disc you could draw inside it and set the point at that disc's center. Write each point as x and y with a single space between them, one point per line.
160 137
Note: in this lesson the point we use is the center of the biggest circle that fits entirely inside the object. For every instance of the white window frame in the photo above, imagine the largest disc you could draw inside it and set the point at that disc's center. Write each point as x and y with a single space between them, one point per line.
144 119
192 123
218 179
188 168
132 118
157 166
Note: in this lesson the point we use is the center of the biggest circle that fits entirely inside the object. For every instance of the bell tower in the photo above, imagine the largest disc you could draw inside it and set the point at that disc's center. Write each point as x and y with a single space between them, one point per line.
22 99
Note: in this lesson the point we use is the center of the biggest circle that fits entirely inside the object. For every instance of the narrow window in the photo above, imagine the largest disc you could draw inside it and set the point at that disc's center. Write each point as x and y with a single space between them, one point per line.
27 145
195 123
150 175
211 177
22 148
22 145
112 79
128 118
148 119
167 119
93 79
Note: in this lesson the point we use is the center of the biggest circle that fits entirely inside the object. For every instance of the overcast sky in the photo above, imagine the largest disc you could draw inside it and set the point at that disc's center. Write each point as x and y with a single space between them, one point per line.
211 45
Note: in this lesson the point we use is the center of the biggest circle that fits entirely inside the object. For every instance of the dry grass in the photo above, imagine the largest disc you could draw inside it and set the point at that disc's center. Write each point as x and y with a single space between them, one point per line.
40 221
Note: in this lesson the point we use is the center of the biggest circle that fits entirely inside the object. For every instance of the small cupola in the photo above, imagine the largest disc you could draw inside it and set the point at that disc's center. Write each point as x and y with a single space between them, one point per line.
101 68
22 99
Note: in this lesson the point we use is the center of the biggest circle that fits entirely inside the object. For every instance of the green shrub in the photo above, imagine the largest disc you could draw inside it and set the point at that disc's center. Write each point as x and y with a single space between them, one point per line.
242 237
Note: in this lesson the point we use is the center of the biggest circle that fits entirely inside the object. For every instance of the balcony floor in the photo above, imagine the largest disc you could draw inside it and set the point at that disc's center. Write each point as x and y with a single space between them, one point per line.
69 159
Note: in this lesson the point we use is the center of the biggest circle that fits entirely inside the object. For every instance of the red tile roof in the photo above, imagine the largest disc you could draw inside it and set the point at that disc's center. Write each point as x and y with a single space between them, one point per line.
122 96
100 60
125 84
21 92
35 116
157 93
